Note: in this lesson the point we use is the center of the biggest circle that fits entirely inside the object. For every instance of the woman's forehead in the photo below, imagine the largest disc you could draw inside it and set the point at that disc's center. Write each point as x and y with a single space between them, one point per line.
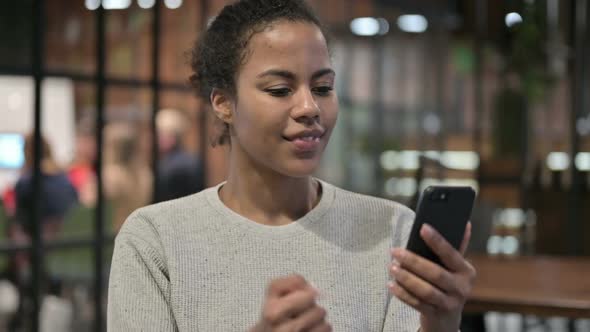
288 44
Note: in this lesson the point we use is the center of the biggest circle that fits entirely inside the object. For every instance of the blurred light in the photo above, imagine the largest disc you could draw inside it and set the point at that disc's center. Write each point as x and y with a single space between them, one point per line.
11 151
513 218
583 161
513 19
173 4
365 26
412 23
92 4
583 126
409 159
9 297
510 245
461 160
389 160
432 154
383 26
400 187
145 4
116 4
431 124
494 244
558 161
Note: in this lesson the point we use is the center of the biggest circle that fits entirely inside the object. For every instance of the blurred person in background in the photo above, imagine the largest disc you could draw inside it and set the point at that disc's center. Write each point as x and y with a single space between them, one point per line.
57 195
127 179
81 172
180 173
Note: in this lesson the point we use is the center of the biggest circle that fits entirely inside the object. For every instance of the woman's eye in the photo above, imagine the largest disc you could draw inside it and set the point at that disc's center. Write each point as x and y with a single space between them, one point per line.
279 92
323 90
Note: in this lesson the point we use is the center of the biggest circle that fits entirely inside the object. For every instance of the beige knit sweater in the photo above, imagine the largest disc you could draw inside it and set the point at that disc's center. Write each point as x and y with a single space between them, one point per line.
192 264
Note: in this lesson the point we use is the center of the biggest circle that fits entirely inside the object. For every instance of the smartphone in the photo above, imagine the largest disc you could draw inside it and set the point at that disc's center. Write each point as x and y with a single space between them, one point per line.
447 209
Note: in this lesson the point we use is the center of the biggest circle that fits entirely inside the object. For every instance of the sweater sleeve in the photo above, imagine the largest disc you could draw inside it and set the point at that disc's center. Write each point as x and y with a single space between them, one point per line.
139 284
401 317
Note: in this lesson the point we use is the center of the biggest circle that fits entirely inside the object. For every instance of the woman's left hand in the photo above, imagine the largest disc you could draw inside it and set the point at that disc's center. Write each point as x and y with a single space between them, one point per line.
439 294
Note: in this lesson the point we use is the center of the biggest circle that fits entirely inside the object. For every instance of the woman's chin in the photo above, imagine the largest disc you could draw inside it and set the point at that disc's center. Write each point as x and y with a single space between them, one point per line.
301 168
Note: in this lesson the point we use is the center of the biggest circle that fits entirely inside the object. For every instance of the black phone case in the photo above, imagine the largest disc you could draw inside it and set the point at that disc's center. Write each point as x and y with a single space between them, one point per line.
447 209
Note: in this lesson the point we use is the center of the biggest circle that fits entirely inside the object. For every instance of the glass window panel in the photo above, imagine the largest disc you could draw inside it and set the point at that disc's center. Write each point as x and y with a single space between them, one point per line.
127 173
129 42
70 37
180 28
16 33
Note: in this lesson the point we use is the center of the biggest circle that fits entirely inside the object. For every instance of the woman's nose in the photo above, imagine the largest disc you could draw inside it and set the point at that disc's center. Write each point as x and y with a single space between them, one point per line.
307 107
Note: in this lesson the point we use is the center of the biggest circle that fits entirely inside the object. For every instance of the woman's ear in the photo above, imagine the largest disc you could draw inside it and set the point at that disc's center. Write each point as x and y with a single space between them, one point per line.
222 105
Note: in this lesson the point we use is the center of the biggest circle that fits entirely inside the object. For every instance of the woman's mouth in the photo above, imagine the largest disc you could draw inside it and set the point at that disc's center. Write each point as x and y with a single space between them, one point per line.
307 140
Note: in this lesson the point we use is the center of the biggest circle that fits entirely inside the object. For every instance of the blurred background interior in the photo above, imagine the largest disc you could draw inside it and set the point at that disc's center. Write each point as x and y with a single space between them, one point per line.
494 94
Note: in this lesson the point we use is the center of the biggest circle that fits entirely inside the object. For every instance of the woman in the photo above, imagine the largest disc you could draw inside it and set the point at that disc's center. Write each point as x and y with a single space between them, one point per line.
272 248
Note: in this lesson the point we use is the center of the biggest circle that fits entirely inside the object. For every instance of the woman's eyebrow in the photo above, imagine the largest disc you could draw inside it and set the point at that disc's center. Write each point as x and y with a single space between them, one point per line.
322 72
278 72
291 76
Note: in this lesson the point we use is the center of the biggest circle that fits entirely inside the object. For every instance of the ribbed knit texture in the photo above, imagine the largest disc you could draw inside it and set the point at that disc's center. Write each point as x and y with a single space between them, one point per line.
192 264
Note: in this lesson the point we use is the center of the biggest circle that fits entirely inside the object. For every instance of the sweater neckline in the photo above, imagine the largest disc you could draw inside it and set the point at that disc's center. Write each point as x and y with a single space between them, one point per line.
299 225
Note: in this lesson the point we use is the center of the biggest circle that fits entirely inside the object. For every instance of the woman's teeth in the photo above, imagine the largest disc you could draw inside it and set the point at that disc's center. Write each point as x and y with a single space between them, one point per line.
310 138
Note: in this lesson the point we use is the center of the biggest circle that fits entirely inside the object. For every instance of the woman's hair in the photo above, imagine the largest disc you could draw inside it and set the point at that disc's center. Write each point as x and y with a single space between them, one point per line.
216 57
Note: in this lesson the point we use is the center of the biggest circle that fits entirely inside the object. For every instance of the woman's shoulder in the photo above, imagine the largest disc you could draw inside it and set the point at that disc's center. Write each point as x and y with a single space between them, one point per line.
166 218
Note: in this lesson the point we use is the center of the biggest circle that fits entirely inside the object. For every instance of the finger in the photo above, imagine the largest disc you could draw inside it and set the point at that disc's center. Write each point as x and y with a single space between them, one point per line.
408 298
290 306
450 257
425 269
282 286
315 316
466 238
420 289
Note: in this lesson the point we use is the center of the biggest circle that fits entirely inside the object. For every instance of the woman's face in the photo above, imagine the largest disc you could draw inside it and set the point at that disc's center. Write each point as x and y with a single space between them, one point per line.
286 105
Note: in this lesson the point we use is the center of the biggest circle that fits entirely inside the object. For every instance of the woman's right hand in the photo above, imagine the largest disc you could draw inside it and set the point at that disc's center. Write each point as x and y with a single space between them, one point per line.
290 305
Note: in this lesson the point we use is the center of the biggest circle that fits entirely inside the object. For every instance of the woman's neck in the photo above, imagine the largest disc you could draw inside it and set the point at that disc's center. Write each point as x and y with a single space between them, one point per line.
268 197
